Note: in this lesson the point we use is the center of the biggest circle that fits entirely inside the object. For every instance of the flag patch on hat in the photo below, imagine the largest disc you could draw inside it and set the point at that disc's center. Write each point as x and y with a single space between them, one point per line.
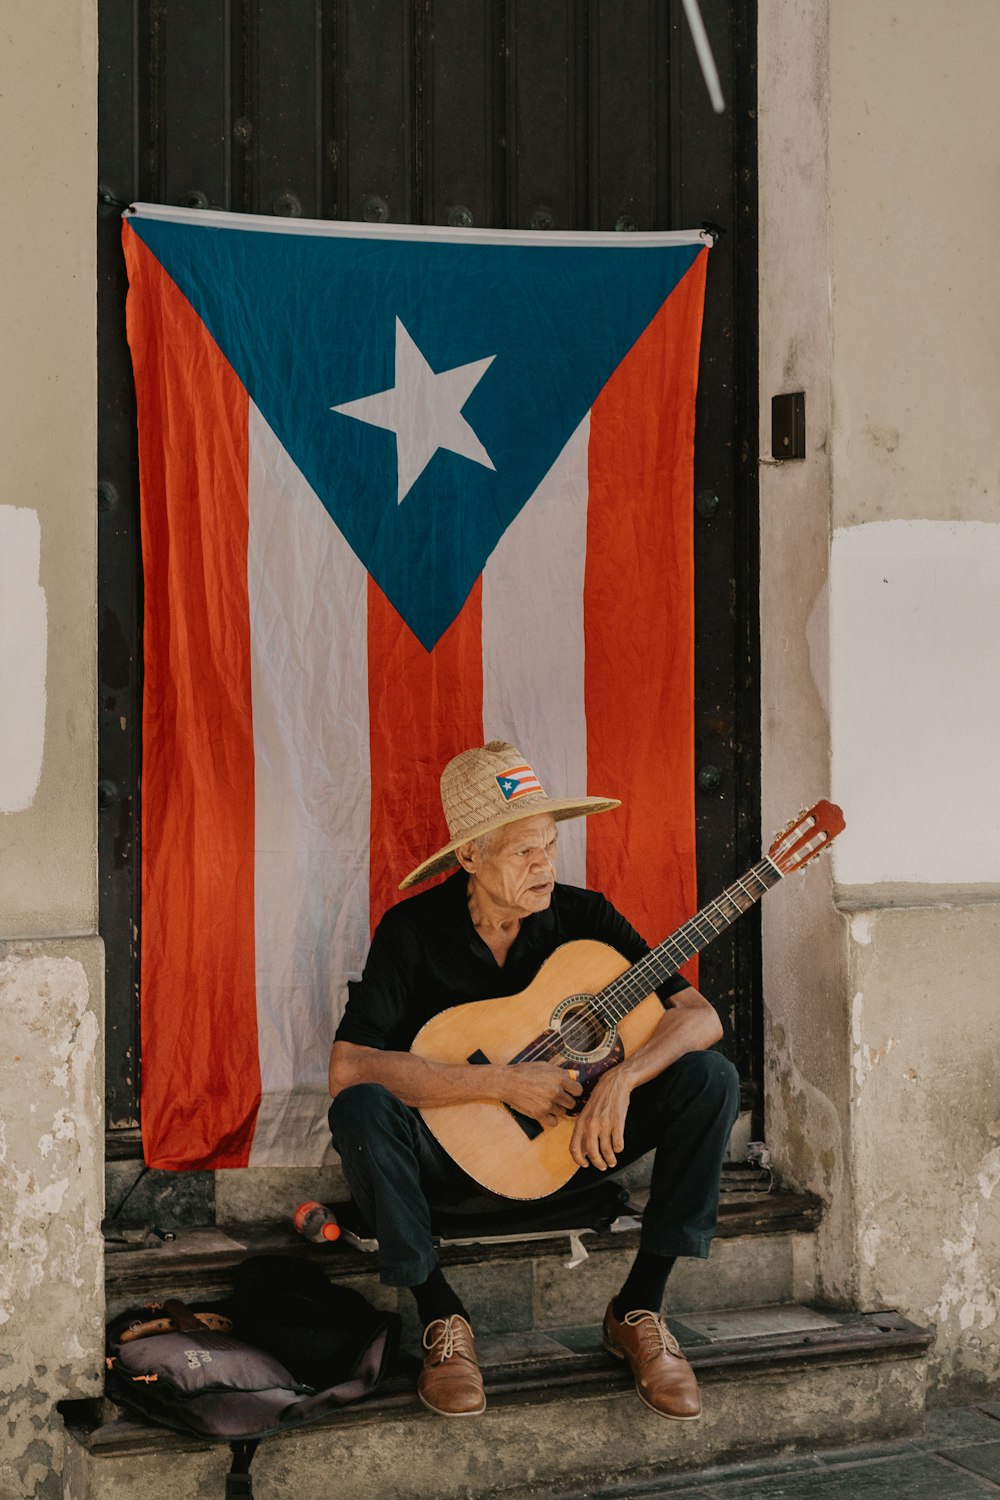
518 781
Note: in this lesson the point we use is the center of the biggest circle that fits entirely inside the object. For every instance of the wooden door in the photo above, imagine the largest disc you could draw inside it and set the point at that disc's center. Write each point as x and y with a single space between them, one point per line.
572 114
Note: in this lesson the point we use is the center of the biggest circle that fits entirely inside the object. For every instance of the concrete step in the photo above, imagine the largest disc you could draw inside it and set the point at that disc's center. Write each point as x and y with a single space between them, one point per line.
561 1416
763 1253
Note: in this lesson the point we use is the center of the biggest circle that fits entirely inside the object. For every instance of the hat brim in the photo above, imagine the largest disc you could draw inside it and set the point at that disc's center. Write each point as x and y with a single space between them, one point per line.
444 859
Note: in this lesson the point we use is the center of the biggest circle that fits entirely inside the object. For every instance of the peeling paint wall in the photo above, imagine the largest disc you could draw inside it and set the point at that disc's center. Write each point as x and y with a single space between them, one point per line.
914 126
51 1197
807 1045
879 125
926 1128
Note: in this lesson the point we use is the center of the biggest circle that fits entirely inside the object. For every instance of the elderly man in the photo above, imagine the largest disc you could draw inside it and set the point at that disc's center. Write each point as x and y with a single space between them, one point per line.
481 935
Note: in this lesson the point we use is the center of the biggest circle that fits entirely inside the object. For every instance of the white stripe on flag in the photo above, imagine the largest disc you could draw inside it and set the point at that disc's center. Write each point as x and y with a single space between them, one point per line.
309 652
533 639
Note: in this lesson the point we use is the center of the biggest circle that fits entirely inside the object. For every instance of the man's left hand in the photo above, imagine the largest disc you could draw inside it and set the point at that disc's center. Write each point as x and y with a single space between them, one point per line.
600 1129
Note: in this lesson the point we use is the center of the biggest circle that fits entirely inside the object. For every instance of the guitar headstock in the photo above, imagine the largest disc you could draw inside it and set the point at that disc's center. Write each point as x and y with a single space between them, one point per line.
808 835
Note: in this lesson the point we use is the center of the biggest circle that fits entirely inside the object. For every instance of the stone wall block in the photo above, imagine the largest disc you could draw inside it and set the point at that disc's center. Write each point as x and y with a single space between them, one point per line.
51 1148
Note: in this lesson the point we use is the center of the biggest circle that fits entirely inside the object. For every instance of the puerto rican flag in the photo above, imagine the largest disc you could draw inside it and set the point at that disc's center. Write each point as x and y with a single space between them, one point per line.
404 491
517 782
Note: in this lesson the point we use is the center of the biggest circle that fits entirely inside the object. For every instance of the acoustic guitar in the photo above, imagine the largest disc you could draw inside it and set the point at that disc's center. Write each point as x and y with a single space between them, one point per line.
586 1009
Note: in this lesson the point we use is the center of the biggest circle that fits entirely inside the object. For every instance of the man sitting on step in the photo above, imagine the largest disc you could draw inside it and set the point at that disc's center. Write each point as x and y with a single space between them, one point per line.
483 934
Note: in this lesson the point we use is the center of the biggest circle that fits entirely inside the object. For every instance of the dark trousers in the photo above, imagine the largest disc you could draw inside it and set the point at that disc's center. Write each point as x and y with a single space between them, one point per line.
395 1168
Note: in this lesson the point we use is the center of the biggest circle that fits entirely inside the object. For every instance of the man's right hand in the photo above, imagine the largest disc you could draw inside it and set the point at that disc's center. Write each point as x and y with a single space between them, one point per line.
541 1090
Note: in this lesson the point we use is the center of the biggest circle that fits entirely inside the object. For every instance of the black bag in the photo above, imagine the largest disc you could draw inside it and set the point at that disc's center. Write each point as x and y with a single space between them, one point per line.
288 1349
322 1331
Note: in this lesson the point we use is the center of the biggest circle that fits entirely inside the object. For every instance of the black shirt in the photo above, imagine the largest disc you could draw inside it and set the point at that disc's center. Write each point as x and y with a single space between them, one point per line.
426 956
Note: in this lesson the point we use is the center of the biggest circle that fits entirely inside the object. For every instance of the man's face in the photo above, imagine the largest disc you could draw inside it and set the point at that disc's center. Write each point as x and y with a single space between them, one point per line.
518 871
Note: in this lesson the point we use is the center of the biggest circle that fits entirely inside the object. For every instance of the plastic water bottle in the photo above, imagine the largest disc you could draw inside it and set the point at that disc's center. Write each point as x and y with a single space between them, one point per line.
316 1222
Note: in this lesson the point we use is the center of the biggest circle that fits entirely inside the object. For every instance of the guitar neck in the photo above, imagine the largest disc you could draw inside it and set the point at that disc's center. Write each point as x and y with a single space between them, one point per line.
663 961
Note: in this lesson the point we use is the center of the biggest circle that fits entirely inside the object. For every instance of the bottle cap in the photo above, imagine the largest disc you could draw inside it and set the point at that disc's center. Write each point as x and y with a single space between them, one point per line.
303 1211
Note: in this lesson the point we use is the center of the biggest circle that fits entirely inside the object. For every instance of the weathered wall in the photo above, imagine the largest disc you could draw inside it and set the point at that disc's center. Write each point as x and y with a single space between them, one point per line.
807 1036
914 222
926 1128
880 213
48 416
51 1196
51 964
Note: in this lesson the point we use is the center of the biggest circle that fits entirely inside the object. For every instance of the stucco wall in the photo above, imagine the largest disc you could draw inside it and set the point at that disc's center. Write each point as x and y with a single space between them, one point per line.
47 401
926 1128
51 1196
914 220
807 1047
51 1119
880 209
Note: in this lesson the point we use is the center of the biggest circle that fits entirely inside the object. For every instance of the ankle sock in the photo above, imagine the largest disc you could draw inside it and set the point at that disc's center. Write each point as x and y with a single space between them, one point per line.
436 1299
644 1285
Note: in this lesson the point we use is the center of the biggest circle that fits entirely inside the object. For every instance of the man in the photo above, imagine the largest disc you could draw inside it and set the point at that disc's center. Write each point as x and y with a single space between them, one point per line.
480 935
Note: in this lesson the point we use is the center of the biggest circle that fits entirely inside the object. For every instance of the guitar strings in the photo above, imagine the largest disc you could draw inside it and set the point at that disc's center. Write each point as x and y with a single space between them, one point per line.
604 1007
632 986
629 985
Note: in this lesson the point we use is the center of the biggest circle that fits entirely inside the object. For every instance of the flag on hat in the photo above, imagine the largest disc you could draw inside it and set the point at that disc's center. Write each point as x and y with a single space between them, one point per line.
516 782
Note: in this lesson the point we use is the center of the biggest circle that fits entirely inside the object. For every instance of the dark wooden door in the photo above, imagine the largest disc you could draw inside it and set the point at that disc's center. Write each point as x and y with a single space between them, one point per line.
568 114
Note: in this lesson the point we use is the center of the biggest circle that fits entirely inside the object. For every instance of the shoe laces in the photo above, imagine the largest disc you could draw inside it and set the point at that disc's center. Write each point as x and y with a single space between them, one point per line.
442 1344
658 1338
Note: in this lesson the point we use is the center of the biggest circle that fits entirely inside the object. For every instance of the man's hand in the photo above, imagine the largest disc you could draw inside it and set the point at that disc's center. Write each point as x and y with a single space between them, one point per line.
540 1090
600 1129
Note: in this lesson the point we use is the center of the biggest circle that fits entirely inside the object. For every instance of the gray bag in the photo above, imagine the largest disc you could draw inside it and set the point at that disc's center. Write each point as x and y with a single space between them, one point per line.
189 1369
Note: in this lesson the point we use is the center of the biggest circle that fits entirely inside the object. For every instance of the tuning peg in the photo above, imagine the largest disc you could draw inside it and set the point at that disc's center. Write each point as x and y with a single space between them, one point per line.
791 823
818 855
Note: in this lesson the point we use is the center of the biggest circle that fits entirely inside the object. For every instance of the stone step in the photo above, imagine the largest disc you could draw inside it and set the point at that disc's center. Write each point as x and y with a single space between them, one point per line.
763 1253
561 1417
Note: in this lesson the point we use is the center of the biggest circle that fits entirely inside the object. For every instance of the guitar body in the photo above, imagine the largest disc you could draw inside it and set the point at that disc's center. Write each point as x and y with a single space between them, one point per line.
553 1021
507 1153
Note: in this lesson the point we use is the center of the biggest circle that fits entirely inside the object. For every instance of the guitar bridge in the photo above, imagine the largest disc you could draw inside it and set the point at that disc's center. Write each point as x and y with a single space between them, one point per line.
530 1127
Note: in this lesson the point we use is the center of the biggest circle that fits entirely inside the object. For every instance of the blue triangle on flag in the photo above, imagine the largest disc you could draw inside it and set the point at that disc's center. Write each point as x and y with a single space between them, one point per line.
308 323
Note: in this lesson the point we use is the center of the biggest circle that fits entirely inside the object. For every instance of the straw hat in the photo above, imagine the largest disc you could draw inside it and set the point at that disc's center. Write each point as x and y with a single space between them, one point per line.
487 788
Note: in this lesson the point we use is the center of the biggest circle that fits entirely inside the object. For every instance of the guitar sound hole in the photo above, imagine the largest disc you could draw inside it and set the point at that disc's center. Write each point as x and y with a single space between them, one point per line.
580 1029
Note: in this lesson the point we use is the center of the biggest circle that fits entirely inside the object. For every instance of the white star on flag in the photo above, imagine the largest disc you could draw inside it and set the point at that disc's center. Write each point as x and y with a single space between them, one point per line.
424 410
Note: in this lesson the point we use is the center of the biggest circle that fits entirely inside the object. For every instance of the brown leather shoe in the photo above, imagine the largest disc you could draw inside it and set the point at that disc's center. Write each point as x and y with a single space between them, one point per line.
664 1380
450 1382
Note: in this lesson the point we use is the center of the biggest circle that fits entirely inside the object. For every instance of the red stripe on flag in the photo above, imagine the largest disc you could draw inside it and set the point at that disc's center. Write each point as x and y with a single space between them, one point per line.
424 708
200 1069
639 614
